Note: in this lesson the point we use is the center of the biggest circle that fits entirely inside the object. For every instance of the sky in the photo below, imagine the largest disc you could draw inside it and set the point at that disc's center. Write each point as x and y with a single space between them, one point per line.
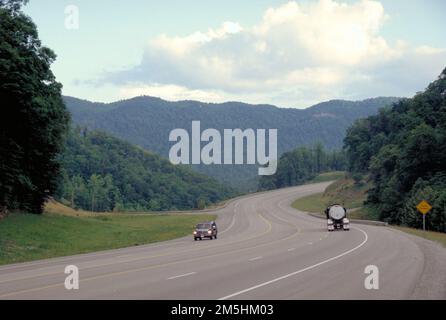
290 54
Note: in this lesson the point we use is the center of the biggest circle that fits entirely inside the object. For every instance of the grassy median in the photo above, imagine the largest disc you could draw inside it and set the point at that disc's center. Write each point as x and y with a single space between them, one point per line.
25 237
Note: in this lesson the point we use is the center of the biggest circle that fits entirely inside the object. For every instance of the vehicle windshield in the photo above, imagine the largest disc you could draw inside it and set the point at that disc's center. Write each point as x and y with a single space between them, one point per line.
203 226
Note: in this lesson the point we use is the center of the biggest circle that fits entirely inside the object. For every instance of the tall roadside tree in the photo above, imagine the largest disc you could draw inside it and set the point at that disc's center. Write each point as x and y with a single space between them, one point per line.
402 150
33 117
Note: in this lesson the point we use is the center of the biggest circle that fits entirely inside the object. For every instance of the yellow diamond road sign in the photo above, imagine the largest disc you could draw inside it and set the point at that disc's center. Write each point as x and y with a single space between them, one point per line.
424 207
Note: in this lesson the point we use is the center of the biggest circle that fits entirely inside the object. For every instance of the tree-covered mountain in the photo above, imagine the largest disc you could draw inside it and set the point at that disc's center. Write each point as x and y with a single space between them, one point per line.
103 173
403 148
147 122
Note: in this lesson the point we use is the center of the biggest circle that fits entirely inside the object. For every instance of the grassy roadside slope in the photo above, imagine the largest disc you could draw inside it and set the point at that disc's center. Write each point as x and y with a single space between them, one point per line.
344 190
327 176
429 235
25 237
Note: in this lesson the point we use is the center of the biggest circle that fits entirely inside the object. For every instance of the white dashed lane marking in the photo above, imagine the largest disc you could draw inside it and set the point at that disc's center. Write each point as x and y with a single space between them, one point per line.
256 258
181 275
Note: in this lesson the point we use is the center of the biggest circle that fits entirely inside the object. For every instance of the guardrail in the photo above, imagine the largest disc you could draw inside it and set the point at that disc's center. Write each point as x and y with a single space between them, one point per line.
366 222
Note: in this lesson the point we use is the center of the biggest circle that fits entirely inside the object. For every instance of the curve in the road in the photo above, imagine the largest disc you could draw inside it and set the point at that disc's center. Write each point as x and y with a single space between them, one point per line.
265 250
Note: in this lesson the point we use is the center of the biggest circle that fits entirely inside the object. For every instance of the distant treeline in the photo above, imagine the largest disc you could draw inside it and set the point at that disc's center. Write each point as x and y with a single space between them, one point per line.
403 149
302 164
103 173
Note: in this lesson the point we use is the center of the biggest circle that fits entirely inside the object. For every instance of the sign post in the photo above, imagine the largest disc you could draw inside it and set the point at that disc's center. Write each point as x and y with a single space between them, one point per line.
424 207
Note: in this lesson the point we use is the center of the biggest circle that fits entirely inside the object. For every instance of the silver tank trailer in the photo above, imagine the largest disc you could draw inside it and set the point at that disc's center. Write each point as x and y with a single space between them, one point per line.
337 218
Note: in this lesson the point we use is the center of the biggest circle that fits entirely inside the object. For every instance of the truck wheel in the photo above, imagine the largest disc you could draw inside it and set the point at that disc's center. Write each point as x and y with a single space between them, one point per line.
195 239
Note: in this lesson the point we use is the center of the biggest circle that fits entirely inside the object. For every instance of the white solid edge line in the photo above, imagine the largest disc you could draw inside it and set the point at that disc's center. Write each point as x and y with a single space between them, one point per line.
299 271
181 275
233 218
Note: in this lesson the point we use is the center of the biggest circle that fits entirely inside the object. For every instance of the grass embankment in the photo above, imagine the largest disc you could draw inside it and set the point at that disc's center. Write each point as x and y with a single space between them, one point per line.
429 235
25 237
328 176
344 190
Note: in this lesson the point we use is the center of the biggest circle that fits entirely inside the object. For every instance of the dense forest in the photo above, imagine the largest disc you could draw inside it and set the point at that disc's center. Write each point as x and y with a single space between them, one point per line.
403 150
302 164
33 115
103 173
147 121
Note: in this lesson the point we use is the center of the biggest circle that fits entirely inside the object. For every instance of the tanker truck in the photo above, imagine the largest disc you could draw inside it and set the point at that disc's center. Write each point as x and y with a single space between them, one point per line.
337 218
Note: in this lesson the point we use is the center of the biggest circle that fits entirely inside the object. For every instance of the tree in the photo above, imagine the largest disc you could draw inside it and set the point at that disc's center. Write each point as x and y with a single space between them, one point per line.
402 150
33 115
95 185
302 164
319 157
201 204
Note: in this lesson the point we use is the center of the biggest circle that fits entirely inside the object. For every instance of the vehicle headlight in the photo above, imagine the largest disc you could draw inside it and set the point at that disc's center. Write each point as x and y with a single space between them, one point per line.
195 232
345 220
329 221
209 231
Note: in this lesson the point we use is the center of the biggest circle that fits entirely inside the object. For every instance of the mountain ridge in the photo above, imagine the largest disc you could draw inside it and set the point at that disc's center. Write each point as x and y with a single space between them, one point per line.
147 121
187 101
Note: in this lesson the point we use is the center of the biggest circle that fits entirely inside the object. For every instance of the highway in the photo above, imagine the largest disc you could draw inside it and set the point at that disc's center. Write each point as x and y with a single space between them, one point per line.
265 250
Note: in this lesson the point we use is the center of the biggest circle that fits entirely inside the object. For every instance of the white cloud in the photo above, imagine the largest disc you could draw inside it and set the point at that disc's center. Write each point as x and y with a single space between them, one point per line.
298 53
428 50
169 92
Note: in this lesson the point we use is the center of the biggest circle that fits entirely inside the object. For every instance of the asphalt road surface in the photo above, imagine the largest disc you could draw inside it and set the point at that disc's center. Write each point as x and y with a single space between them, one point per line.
265 250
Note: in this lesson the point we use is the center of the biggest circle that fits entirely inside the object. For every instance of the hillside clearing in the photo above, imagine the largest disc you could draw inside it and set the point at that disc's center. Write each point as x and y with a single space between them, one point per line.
344 191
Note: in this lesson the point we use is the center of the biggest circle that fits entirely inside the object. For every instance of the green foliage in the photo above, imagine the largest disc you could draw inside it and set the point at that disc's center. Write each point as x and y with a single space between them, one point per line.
147 122
303 164
434 192
357 178
103 173
403 148
201 204
33 115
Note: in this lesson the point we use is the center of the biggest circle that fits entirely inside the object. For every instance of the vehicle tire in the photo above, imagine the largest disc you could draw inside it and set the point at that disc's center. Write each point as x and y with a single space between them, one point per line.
195 239
215 237
201 238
